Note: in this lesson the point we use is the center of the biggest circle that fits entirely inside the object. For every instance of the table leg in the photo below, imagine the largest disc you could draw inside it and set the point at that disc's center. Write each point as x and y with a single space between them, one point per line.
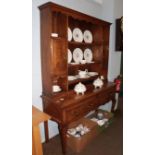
37 150
63 136
46 131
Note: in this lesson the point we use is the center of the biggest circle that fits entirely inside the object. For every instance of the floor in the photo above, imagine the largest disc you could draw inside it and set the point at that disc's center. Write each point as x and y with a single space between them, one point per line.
110 142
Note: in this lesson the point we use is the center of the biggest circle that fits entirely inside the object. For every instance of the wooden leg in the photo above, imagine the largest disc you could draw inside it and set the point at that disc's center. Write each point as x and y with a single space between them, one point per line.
63 136
46 131
37 146
113 103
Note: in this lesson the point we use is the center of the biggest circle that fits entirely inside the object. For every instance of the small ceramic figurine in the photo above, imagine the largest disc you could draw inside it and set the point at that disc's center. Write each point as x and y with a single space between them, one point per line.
80 88
98 83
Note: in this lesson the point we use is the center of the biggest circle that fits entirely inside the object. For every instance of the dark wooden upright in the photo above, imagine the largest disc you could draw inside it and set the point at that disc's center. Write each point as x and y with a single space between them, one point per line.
119 35
65 107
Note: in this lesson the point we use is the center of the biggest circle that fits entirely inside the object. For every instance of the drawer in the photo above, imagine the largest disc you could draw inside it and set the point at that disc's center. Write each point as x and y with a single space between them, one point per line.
111 90
81 110
111 95
103 98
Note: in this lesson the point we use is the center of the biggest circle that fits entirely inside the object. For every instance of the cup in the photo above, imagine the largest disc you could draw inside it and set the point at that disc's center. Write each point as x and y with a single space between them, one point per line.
56 88
83 61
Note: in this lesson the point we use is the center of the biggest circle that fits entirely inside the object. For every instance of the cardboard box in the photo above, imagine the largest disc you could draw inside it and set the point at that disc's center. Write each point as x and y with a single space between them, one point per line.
78 144
107 115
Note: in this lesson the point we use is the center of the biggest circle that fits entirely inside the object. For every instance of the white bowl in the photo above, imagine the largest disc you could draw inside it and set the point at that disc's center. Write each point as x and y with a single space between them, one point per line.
83 61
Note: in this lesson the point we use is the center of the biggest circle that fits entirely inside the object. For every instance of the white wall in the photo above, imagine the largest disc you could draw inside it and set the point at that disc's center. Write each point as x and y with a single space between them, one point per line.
112 9
105 11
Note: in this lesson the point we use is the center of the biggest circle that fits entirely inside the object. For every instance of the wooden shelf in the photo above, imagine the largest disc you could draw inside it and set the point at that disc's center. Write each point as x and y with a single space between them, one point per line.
58 38
82 80
79 65
83 43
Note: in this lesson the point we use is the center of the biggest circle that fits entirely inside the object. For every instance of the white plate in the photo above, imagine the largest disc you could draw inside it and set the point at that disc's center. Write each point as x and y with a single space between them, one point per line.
77 55
71 77
56 91
83 77
92 73
69 34
69 56
88 55
92 62
74 63
88 37
77 35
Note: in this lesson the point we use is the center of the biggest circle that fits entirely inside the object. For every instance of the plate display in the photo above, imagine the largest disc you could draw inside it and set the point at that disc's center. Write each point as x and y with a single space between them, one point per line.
88 37
69 56
77 35
71 77
92 73
88 55
77 55
74 63
84 77
69 34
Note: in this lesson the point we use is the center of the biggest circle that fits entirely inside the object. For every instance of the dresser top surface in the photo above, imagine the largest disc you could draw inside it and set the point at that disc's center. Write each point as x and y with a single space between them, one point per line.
66 99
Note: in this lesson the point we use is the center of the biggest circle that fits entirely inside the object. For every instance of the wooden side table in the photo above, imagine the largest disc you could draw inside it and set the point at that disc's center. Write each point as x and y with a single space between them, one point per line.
37 117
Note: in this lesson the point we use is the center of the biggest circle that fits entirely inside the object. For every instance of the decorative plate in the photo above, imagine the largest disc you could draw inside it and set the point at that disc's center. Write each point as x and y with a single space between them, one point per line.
69 34
69 56
88 37
77 35
74 63
77 55
88 55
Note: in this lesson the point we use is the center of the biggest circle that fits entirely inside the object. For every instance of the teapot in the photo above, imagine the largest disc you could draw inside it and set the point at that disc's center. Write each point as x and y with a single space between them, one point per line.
84 73
98 83
80 88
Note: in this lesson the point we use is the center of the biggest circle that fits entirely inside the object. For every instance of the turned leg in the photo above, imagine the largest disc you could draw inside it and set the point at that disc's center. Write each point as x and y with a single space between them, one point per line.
63 136
46 131
113 103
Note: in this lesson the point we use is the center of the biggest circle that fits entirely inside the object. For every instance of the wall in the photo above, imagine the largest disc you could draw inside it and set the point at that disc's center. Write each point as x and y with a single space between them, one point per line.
105 11
113 9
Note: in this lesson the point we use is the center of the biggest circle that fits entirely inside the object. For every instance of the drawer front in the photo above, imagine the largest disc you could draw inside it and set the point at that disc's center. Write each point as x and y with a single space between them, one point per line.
103 98
81 110
111 93
112 90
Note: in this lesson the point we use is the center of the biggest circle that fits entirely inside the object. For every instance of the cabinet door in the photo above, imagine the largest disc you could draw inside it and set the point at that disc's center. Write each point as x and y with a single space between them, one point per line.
59 57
